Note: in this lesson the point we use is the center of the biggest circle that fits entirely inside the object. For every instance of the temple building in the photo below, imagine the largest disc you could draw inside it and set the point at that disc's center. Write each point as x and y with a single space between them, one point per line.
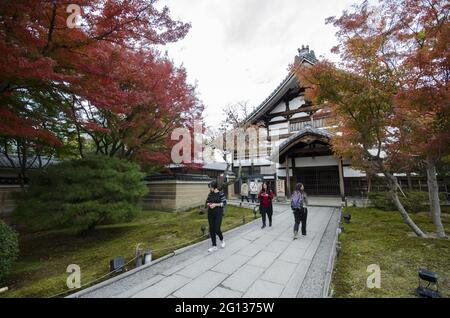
303 133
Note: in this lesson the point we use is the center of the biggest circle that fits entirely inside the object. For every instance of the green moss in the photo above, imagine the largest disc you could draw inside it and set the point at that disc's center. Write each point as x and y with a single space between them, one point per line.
40 270
379 237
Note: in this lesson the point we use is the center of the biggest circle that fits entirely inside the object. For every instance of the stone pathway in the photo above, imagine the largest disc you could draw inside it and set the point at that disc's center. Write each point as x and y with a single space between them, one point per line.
255 264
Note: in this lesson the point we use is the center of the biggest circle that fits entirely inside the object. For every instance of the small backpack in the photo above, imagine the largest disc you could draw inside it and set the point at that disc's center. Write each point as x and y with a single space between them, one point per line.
297 200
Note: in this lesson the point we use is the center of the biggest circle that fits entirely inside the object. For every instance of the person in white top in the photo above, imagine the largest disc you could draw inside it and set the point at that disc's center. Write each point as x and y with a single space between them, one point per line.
253 191
244 192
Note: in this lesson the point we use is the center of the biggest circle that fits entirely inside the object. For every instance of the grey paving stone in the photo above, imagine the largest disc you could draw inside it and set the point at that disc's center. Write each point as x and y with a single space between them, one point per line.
264 289
200 286
133 291
243 278
231 249
279 272
253 235
221 292
182 265
163 288
200 266
295 281
265 240
292 254
250 250
231 264
263 259
276 247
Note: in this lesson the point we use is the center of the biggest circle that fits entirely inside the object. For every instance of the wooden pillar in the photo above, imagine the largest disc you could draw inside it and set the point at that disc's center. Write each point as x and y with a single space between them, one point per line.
294 175
288 178
341 180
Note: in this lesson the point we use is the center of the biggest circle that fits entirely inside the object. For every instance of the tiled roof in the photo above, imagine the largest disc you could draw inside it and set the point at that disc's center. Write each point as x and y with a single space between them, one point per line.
212 165
305 131
5 163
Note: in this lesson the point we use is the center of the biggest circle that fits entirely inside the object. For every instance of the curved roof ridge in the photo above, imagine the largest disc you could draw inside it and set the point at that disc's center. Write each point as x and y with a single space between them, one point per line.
305 131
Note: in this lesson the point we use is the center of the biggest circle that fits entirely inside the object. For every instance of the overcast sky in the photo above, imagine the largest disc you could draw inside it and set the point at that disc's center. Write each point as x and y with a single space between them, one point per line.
239 50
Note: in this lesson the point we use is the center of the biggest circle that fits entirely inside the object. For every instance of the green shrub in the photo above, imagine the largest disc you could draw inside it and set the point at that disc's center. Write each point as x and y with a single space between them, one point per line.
415 201
9 248
81 194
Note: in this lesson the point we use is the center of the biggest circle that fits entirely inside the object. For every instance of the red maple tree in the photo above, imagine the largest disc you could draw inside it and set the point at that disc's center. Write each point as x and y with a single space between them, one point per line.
103 81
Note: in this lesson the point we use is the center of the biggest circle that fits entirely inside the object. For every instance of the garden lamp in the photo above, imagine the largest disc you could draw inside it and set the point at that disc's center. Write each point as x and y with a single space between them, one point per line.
117 264
203 229
431 278
254 211
147 257
347 217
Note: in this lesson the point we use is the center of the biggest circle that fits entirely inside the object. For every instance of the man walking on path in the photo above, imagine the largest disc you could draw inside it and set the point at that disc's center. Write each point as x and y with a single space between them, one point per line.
244 192
253 190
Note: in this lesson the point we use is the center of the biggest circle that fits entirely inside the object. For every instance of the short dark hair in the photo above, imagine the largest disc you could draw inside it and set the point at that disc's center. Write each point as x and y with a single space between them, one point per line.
298 187
213 185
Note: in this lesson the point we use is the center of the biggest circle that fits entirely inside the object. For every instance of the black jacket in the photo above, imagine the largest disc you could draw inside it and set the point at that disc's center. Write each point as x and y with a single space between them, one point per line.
218 198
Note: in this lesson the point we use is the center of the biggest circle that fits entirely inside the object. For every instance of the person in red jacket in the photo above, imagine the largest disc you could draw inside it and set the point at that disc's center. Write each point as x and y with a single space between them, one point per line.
265 197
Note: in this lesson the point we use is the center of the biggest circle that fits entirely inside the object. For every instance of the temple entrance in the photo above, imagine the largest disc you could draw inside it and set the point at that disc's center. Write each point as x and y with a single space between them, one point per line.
319 180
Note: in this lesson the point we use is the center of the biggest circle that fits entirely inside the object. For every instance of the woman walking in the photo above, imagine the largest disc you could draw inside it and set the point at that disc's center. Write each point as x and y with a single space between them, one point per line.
265 197
298 204
215 202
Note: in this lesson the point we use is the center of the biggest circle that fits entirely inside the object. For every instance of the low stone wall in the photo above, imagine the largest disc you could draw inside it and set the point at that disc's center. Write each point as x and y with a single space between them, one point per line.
176 192
167 193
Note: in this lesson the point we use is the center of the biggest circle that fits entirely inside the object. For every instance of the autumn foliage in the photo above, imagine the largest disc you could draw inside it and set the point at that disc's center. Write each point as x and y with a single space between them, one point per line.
389 94
102 87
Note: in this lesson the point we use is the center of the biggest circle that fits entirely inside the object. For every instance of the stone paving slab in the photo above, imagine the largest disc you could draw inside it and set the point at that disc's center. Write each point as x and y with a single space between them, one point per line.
221 292
231 264
256 263
164 287
264 289
201 286
279 272
243 278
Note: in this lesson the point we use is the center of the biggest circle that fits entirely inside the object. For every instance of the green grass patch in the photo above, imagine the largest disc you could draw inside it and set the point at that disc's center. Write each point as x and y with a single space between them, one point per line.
380 237
40 270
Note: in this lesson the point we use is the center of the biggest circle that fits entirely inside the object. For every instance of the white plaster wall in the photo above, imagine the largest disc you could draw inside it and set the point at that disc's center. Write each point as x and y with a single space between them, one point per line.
281 107
352 173
274 127
282 173
277 118
316 161
296 102
300 115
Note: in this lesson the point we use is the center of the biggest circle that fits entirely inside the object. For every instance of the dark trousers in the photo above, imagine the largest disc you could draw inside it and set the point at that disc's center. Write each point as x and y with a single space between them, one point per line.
266 211
253 197
215 221
244 197
300 216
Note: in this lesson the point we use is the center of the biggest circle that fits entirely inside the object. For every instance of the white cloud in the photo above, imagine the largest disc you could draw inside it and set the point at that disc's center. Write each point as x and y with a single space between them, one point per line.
240 50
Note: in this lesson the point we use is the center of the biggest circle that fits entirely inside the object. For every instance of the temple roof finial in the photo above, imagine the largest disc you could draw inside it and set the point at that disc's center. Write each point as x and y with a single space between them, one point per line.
305 52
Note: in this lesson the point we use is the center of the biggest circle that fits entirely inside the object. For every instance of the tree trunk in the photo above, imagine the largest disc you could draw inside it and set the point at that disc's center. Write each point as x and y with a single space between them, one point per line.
393 184
433 192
